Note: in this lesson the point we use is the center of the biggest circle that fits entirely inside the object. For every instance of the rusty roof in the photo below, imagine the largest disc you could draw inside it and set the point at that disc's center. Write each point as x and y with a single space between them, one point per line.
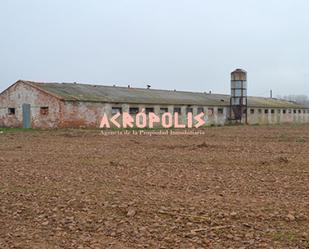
238 70
115 94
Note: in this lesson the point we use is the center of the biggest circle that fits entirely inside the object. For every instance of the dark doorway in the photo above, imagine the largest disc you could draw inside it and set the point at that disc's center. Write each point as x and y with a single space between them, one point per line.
26 116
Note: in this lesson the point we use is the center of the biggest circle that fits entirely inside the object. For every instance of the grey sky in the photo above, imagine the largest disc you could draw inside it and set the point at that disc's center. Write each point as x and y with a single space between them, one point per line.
169 44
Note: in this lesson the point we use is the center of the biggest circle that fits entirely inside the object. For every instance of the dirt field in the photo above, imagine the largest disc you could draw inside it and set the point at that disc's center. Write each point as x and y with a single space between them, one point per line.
234 187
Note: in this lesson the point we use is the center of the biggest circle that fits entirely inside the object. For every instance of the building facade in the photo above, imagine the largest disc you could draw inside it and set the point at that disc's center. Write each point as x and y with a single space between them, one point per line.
70 105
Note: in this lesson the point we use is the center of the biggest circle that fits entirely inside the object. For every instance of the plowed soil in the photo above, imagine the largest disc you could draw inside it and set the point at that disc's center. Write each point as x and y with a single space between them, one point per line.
234 187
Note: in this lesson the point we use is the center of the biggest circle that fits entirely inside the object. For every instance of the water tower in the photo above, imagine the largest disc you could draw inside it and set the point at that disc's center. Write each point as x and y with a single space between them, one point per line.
238 103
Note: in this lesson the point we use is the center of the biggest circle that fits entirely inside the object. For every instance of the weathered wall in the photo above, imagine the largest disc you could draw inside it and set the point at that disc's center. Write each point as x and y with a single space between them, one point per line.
89 114
21 93
82 114
277 116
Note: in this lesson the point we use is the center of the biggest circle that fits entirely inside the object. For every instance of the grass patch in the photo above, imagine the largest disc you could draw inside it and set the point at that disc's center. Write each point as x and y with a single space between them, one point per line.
15 130
283 138
284 236
300 140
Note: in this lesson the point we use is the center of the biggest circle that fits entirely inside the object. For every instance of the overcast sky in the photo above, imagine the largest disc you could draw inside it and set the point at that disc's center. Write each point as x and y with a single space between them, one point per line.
169 44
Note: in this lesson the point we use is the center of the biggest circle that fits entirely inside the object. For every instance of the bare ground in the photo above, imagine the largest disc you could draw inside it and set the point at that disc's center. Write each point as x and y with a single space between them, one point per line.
234 187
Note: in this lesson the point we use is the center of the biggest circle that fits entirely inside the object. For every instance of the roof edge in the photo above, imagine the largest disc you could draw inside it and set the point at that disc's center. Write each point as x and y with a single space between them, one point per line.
29 83
37 86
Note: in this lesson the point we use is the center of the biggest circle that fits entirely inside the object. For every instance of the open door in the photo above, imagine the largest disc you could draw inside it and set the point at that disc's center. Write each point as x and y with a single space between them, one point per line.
26 116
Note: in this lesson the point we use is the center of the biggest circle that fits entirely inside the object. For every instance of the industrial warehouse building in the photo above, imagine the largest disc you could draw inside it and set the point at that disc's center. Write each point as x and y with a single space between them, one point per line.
59 105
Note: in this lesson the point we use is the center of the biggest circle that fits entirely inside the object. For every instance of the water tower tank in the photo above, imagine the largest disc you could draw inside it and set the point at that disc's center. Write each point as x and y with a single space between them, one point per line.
238 94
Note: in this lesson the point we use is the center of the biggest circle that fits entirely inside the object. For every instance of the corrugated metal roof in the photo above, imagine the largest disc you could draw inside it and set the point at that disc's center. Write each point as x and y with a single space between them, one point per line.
113 94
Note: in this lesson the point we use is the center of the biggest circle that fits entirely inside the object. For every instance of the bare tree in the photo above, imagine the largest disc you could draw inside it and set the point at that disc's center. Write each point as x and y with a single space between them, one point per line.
301 99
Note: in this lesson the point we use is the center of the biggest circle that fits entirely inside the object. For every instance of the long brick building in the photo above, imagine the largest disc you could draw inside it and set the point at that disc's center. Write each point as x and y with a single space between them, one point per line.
58 105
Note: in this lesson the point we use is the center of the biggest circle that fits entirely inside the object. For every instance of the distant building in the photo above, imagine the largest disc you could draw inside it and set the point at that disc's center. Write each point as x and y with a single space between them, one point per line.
58 105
